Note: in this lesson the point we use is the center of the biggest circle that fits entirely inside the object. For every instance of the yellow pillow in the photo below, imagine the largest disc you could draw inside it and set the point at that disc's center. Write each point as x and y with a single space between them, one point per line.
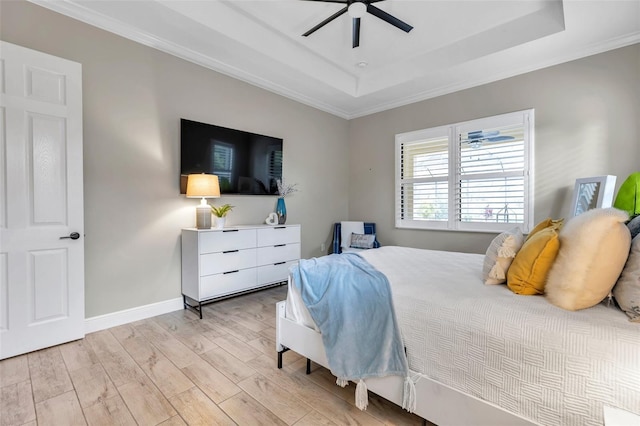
528 272
547 223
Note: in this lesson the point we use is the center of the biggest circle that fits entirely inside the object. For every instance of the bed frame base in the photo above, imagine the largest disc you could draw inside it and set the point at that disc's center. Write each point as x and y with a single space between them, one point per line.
436 402
280 357
280 360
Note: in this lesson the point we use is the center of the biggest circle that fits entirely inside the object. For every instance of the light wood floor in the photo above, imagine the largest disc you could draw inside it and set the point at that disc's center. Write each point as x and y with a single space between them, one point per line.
175 369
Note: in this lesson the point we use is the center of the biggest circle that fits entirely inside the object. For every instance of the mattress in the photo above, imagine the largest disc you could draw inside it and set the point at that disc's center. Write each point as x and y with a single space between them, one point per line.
521 353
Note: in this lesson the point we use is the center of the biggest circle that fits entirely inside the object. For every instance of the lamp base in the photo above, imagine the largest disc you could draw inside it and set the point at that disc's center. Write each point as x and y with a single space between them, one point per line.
203 217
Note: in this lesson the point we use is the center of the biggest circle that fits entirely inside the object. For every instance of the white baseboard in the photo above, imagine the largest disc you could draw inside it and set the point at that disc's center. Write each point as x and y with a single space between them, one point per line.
126 316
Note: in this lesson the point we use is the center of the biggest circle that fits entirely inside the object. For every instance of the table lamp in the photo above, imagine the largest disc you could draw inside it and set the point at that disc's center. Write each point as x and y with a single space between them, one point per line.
203 186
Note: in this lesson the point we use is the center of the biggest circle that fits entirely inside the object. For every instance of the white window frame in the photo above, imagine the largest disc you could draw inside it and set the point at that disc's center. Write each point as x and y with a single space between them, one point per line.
453 132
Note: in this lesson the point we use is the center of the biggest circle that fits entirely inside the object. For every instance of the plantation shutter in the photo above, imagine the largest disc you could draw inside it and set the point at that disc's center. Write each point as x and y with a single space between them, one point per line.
424 179
470 176
490 176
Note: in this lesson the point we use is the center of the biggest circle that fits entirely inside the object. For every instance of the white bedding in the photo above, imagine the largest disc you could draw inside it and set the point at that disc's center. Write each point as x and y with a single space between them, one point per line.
521 353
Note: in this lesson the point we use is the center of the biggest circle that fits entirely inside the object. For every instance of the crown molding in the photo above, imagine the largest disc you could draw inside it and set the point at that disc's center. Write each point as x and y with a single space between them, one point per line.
83 14
593 49
114 26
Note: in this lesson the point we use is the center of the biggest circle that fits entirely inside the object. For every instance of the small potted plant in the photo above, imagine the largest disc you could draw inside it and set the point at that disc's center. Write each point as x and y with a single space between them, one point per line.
221 214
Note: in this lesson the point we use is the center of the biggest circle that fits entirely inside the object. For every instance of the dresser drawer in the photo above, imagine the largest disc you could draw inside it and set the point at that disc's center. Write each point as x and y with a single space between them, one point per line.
217 263
278 235
233 239
274 273
224 284
278 253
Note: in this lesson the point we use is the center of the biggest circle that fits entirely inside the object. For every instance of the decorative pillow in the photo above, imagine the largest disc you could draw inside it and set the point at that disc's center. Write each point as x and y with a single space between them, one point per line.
500 254
346 229
634 226
627 289
528 272
547 223
595 246
362 241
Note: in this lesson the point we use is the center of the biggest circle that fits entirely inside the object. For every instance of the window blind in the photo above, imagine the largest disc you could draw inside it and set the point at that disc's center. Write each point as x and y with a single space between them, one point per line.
490 176
474 175
424 179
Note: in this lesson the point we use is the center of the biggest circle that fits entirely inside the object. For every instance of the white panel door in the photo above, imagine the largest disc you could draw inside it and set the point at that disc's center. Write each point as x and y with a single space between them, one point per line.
41 268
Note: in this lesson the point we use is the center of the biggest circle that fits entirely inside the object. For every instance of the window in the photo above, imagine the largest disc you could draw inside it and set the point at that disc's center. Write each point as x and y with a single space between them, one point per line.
470 176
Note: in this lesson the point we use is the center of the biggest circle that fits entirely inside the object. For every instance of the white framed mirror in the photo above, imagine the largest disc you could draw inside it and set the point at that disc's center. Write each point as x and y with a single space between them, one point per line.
592 192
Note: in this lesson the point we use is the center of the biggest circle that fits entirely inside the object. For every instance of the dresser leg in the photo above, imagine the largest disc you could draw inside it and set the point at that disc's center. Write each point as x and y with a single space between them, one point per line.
308 366
193 308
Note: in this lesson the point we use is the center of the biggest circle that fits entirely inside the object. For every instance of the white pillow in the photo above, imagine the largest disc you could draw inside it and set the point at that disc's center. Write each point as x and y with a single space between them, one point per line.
627 289
500 254
362 241
348 228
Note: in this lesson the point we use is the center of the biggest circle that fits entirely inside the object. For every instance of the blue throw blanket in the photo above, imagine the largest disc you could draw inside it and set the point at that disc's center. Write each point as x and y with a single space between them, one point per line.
351 303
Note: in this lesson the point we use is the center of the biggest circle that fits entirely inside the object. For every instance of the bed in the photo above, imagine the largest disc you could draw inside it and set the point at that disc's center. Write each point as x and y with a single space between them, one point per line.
483 355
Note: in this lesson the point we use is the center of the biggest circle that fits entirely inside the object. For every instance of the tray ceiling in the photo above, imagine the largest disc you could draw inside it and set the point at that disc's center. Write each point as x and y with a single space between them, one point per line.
454 44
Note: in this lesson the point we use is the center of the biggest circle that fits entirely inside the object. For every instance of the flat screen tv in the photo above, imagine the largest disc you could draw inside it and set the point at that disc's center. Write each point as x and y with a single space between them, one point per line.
245 163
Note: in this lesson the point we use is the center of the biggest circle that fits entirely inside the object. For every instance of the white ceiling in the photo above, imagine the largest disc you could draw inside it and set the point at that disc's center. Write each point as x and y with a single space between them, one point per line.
454 44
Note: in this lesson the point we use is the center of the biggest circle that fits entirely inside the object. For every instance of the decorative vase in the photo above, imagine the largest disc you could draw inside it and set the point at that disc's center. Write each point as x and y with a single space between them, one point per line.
281 211
220 222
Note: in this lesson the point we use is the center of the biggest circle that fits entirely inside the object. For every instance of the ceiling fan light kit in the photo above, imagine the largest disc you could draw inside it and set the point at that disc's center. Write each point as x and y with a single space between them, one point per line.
356 9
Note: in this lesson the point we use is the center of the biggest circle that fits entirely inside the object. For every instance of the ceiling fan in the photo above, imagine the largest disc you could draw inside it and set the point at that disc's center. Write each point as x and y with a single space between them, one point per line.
357 9
477 137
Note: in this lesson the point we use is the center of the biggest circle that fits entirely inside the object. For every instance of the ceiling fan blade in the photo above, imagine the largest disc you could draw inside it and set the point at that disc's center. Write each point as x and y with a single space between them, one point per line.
356 32
477 137
325 22
500 139
482 134
379 13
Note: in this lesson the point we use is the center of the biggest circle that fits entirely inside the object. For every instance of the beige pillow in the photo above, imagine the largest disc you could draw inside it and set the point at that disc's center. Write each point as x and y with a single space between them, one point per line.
593 250
627 289
500 254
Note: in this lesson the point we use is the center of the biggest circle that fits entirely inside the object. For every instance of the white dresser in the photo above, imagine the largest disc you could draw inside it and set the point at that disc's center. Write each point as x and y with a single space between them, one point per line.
218 263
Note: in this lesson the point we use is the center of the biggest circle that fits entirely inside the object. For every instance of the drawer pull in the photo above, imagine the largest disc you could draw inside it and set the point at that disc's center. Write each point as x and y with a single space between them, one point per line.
230 251
280 245
279 263
230 230
280 227
230 272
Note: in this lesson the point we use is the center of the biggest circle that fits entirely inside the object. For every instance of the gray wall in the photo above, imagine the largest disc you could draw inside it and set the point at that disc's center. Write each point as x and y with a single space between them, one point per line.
587 124
134 97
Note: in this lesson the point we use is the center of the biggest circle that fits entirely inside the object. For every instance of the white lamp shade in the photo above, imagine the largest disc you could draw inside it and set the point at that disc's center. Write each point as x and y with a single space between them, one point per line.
203 186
